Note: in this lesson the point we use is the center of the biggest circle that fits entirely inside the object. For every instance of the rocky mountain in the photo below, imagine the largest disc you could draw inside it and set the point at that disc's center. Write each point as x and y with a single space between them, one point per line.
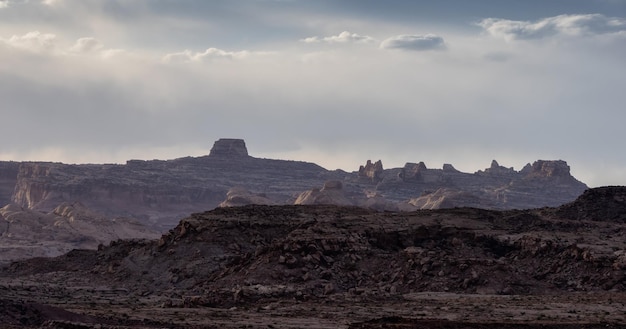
159 192
339 267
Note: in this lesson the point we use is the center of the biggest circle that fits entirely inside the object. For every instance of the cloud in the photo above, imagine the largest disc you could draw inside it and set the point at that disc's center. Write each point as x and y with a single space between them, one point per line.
569 25
483 99
4 3
48 44
414 42
343 37
209 54
34 41
86 45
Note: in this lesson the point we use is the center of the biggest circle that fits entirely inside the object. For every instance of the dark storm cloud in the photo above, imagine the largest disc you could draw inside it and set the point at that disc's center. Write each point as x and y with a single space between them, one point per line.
414 42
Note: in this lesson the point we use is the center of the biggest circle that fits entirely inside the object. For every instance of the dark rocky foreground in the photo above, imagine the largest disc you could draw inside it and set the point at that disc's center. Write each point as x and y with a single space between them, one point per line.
342 267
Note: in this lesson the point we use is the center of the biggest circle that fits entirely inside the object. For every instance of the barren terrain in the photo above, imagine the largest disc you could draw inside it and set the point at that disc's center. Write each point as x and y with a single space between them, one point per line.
342 267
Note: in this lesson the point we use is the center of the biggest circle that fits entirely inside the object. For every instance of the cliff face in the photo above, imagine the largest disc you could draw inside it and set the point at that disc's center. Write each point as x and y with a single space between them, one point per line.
159 192
8 178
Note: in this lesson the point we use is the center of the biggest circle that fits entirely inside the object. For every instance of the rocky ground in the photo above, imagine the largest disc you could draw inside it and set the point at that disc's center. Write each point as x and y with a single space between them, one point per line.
342 267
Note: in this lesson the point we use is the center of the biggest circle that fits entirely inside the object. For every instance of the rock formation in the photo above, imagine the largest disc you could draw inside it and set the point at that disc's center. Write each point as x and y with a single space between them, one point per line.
158 192
412 172
371 171
229 147
331 194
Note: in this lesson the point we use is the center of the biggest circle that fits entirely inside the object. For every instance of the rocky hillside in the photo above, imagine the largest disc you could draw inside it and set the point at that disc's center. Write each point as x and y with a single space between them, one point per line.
265 257
159 192
313 251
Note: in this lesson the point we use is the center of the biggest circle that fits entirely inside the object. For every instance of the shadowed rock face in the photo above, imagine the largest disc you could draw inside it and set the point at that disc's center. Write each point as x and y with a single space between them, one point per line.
8 178
229 147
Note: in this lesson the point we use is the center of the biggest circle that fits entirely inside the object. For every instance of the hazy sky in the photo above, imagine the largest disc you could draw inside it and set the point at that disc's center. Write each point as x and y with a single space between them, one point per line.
331 82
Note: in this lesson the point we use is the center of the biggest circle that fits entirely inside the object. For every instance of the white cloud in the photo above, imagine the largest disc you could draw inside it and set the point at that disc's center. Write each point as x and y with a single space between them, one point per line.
414 42
570 25
210 54
50 44
34 41
4 3
86 45
343 37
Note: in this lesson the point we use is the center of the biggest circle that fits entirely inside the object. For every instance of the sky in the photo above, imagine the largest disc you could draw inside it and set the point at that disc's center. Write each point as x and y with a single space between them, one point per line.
331 82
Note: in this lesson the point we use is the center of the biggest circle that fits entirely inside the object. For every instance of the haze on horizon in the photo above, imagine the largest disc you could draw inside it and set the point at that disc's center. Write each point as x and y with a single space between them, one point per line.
330 82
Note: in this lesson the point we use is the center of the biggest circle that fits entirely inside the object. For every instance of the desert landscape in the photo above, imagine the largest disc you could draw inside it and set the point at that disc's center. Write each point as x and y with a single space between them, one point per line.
326 266
352 164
